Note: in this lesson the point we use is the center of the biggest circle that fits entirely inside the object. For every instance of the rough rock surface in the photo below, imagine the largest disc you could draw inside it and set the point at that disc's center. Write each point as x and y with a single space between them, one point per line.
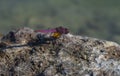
70 55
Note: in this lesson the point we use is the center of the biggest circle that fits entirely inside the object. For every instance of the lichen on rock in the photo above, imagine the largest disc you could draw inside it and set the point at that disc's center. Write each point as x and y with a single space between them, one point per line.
69 55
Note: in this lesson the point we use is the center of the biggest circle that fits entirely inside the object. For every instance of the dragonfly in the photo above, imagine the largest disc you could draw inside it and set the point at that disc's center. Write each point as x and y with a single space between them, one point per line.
51 34
55 32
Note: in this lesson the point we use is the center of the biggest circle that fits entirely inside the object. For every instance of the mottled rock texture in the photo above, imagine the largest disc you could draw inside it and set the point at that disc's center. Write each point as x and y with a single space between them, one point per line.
69 55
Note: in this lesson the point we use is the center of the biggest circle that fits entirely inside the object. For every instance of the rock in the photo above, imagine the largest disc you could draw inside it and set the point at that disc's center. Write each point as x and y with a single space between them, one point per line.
70 55
21 36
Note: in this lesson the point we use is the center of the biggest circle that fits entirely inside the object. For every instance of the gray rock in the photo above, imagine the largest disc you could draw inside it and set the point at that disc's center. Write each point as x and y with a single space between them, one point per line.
70 55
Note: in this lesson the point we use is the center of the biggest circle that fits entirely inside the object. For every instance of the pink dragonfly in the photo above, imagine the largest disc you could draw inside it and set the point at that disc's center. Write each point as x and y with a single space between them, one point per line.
53 34
60 30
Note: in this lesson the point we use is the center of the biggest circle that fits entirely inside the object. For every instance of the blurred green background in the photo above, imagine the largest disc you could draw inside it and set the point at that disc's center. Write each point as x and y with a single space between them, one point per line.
94 18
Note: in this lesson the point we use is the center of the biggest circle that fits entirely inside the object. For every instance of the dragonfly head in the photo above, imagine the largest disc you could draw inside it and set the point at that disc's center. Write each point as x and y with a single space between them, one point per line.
62 30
